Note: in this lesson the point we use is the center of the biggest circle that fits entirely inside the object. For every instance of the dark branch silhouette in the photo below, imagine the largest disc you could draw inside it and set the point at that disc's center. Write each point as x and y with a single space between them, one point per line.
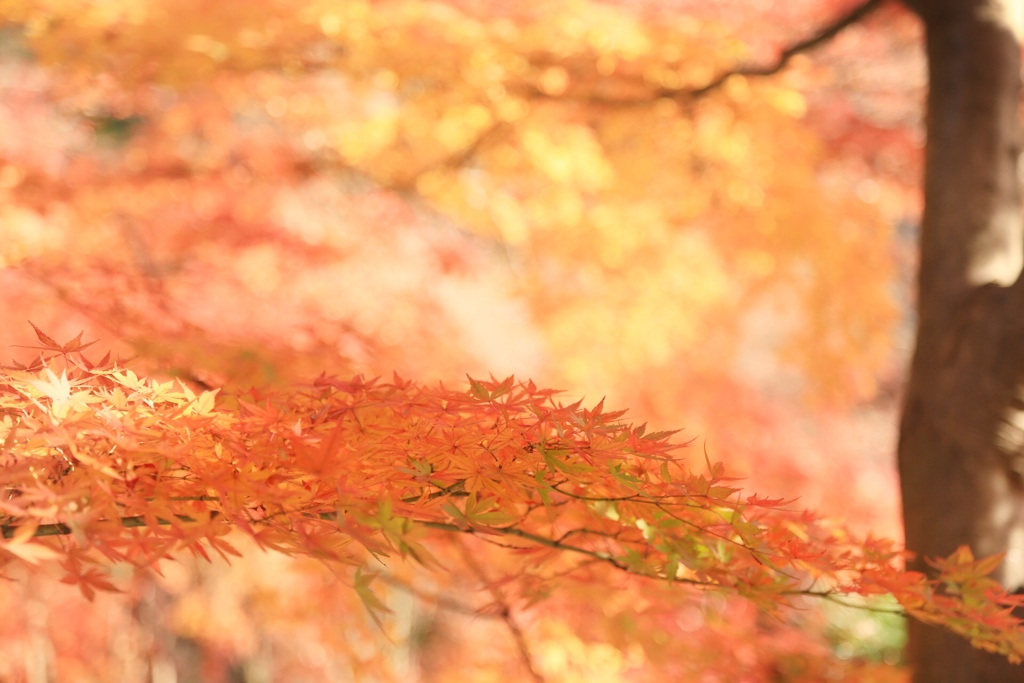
824 34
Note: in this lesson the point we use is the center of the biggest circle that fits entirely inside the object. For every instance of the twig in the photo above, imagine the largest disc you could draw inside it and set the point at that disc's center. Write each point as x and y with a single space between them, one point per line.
456 160
435 599
505 614
59 529
488 535
823 34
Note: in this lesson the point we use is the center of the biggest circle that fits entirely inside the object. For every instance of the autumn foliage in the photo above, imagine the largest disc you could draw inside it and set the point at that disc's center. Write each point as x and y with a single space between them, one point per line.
240 197
102 466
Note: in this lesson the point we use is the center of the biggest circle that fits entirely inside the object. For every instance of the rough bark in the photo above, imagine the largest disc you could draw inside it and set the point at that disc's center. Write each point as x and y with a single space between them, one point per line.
961 449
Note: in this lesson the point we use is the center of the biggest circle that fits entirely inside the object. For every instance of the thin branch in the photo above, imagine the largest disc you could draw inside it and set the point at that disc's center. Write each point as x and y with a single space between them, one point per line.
505 614
607 559
8 531
455 160
455 490
521 644
833 598
434 599
815 40
59 529
823 34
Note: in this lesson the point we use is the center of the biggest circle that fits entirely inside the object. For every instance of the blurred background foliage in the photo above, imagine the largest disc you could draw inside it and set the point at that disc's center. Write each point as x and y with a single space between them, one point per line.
252 193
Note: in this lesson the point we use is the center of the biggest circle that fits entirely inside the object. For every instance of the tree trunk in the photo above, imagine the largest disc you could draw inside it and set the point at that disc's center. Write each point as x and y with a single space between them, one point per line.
961 449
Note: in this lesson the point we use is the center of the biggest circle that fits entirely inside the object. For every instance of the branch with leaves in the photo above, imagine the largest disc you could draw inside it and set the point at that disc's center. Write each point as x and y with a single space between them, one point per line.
101 465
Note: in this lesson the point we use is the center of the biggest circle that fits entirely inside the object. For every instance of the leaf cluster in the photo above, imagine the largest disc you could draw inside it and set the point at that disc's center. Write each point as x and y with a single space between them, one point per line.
100 465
